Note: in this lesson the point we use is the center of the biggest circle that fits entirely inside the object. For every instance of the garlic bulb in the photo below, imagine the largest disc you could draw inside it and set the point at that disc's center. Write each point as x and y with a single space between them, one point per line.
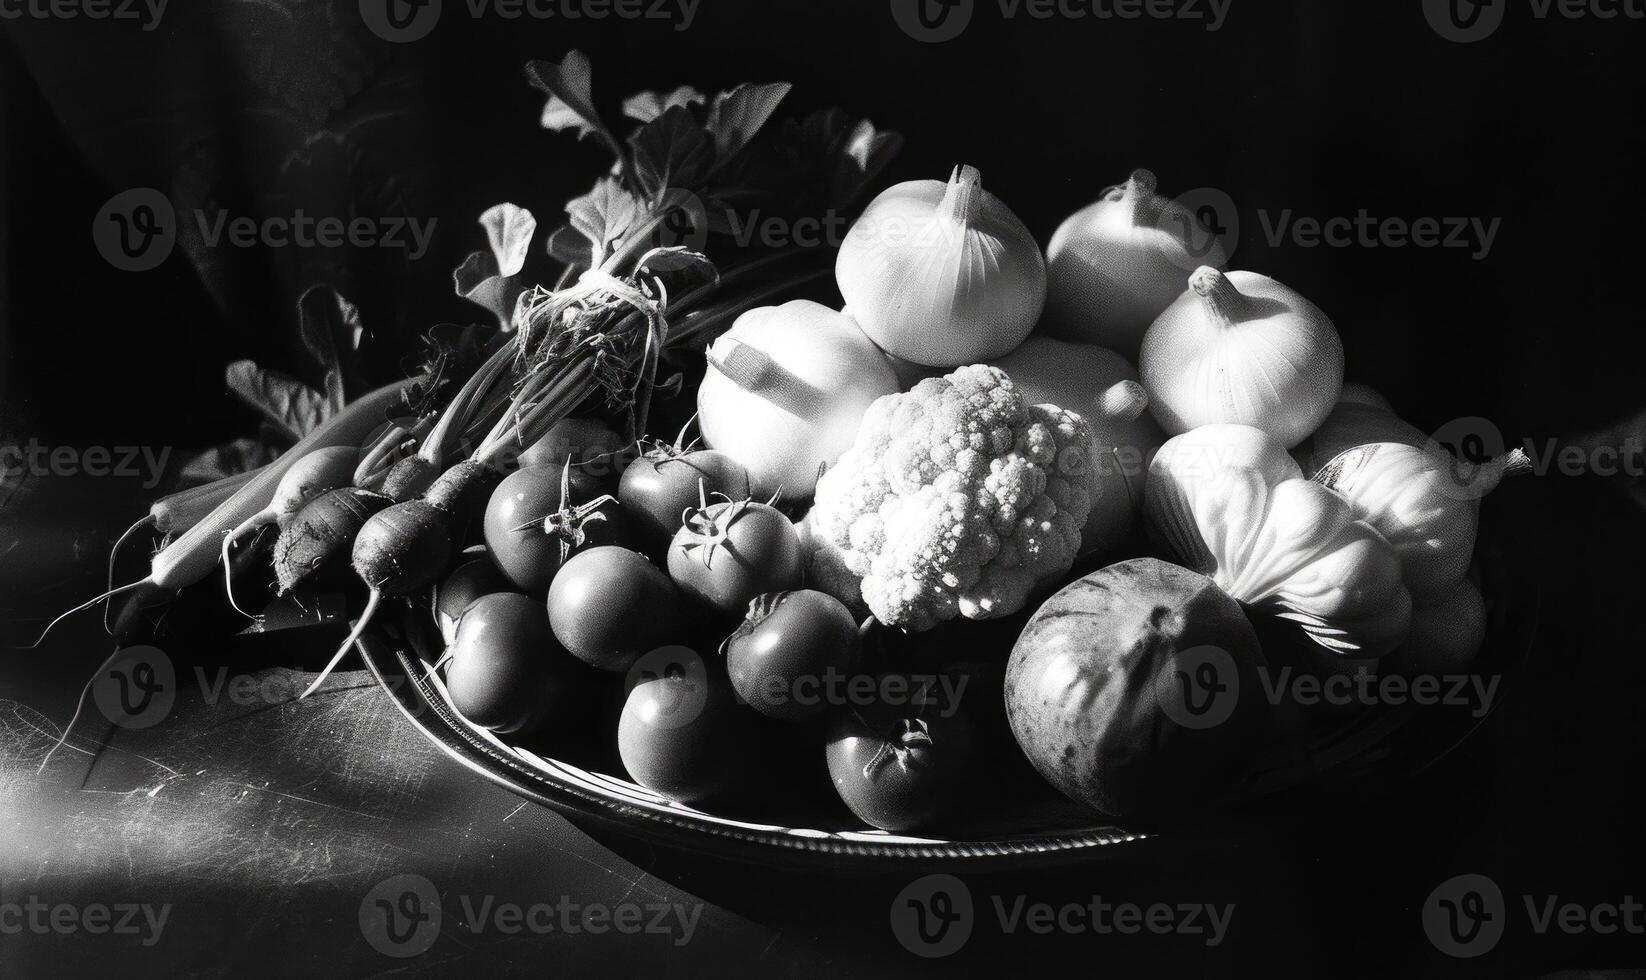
1116 264
1448 628
1103 388
785 390
1226 501
1242 349
942 274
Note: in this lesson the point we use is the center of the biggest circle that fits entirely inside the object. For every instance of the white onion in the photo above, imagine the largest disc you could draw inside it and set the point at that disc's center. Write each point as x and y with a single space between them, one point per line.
785 391
942 274
1242 349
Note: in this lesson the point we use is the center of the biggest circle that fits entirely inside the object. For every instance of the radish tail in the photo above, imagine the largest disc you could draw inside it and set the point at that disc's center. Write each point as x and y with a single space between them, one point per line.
359 627
79 708
249 524
147 520
82 607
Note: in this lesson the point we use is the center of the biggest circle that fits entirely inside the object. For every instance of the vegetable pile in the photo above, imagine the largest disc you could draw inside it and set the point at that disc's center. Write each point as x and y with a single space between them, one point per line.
1101 452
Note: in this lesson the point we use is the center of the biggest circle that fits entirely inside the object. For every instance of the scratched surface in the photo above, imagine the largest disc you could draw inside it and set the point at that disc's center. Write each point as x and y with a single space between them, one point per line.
261 826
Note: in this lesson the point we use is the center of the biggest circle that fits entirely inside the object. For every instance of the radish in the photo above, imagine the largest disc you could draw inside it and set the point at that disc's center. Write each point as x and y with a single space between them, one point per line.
318 531
314 474
401 550
194 554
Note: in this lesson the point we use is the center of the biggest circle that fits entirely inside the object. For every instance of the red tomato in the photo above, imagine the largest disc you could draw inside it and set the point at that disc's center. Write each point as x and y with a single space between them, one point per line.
729 553
658 488
515 536
507 673
679 734
467 582
899 766
791 652
609 605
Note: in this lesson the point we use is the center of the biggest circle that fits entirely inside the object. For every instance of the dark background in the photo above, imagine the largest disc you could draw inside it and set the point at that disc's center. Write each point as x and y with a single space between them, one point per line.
1323 108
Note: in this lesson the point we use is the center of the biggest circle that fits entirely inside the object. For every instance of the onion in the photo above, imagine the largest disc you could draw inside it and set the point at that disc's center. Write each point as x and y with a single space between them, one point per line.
1242 349
942 274
1117 263
785 391
1102 387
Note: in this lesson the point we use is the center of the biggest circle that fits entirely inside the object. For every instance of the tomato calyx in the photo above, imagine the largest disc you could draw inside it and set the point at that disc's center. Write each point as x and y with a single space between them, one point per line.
761 607
908 744
708 531
569 523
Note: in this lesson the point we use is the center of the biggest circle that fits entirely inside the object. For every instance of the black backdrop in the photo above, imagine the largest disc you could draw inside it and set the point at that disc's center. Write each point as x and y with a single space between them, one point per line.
1324 109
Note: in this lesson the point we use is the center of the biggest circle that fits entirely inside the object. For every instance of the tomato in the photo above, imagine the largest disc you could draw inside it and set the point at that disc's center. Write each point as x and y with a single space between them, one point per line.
680 735
791 653
729 553
467 582
507 673
584 441
609 605
897 763
514 531
658 488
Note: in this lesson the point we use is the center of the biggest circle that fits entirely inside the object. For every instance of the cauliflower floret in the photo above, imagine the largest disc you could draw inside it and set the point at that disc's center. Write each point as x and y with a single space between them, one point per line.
957 499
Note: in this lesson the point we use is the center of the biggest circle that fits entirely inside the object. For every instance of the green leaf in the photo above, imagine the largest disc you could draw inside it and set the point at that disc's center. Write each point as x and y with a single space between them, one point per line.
602 216
509 229
671 151
737 115
289 405
571 102
324 318
646 106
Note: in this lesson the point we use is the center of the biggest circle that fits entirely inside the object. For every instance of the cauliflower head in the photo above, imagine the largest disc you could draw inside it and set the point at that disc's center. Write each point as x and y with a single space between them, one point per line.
957 499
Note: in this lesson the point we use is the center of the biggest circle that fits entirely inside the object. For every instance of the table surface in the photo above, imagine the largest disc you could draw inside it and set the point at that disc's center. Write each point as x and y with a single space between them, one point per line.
260 825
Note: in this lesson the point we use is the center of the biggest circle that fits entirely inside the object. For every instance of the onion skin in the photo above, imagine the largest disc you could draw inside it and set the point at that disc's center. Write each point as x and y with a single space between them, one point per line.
1115 265
942 274
786 420
1242 349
